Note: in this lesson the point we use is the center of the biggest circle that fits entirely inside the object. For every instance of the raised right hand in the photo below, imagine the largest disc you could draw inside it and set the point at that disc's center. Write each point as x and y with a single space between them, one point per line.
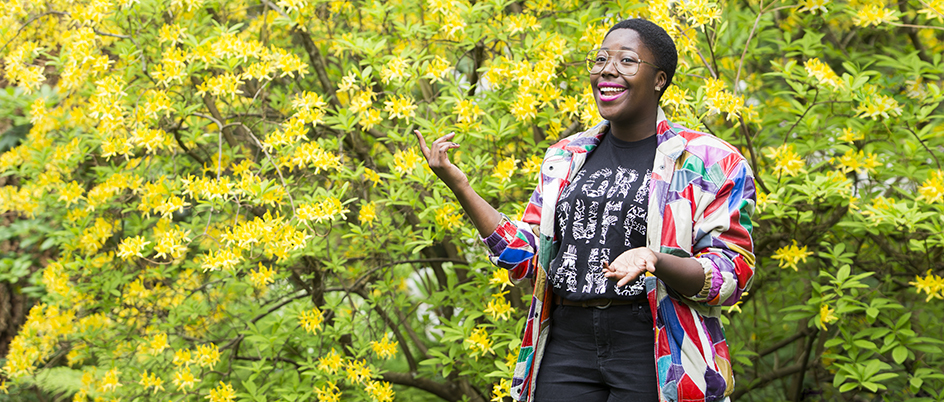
437 157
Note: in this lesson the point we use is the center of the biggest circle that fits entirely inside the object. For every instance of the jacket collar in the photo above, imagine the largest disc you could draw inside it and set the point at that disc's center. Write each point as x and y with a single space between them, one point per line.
670 142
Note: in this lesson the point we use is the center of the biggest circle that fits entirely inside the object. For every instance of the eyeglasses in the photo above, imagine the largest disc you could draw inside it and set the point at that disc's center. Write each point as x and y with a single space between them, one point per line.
627 62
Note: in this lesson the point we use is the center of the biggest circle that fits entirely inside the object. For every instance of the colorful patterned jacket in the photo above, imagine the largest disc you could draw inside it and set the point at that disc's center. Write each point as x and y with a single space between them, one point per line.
700 205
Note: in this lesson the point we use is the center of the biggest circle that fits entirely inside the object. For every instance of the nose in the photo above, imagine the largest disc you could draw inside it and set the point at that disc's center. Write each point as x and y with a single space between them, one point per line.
608 67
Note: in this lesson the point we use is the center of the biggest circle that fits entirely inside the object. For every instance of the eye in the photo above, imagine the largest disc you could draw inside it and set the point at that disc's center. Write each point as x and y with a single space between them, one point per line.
600 59
628 60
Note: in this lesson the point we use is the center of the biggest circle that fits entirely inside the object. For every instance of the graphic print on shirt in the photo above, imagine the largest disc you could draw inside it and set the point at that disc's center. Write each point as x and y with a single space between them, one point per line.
601 214
594 281
567 273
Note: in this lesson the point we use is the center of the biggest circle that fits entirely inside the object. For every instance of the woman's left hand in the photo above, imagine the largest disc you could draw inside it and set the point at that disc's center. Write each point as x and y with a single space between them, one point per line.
629 265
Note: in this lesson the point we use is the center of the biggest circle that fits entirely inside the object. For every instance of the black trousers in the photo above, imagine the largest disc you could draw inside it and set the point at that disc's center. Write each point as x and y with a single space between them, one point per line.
599 355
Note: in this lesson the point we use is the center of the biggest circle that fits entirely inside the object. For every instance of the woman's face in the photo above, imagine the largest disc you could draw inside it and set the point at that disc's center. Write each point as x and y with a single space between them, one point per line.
621 98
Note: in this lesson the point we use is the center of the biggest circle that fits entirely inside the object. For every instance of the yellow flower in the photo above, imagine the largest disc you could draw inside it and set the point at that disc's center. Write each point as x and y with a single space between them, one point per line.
823 73
850 135
379 391
151 381
261 277
479 342
437 69
933 9
931 284
131 247
718 99
207 355
328 393
395 70
223 393
501 390
405 161
525 107
874 14
157 344
789 256
401 107
371 176
183 378
498 307
500 277
879 106
814 5
467 111
384 349
330 363
446 217
826 316
858 162
183 357
357 371
311 320
110 382
329 209
505 168
932 190
787 161
367 214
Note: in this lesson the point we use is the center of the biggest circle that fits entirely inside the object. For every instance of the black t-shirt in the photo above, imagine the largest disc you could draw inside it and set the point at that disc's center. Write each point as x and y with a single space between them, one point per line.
601 214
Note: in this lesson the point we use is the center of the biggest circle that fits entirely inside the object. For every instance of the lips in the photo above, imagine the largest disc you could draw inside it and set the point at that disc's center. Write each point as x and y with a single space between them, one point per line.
610 92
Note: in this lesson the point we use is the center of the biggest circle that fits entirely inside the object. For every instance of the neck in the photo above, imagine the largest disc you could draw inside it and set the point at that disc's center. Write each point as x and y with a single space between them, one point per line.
636 130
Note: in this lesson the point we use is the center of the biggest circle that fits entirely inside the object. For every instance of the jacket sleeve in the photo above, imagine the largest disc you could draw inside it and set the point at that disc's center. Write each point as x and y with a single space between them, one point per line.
513 245
722 240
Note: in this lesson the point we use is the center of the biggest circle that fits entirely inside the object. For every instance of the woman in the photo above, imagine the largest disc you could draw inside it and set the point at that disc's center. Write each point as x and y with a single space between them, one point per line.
638 231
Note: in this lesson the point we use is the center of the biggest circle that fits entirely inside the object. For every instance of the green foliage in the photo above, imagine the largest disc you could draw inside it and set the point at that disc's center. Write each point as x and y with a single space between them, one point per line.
223 200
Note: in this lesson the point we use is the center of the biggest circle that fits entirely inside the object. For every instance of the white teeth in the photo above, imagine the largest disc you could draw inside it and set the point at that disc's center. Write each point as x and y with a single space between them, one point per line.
611 89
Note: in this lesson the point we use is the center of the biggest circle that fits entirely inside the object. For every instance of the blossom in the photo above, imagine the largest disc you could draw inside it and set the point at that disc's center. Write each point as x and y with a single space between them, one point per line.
372 176
501 390
405 161
933 9
131 247
931 284
357 371
110 382
401 107
505 168
397 69
328 209
850 135
479 342
207 355
223 393
152 380
858 161
262 277
525 107
814 5
437 69
328 393
874 14
879 105
467 111
789 256
718 99
157 344
379 391
786 160
224 258
70 193
823 73
447 218
183 378
826 315
500 277
330 363
498 307
310 320
384 349
367 214
932 190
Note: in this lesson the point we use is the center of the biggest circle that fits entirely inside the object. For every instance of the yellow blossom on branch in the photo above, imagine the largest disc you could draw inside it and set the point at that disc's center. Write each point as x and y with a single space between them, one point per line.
207 355
879 106
789 256
933 10
437 69
786 160
379 391
405 161
330 363
479 342
931 284
826 316
814 5
850 135
223 393
132 247
853 161
500 277
447 218
385 349
874 14
261 277
823 73
311 320
525 107
152 380
498 307
329 209
367 214
157 344
357 371
501 390
328 393
400 107
397 69
183 378
932 190
505 169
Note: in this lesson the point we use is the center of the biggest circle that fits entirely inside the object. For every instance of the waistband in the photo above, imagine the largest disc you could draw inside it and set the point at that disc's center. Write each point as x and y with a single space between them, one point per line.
601 303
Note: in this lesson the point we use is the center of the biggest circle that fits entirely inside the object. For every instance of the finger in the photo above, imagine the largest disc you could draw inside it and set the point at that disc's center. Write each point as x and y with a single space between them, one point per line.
626 279
445 138
606 267
419 136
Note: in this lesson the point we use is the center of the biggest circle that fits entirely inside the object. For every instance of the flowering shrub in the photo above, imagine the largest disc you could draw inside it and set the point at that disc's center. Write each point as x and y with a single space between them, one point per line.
222 200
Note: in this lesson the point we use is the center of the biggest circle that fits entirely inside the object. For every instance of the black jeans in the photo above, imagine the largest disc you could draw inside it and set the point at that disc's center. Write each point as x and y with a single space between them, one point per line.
599 355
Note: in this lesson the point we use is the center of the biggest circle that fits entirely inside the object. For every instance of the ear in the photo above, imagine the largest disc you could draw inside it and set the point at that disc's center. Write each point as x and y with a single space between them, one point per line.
661 80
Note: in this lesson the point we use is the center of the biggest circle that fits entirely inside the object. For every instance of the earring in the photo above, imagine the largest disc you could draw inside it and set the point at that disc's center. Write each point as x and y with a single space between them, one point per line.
658 89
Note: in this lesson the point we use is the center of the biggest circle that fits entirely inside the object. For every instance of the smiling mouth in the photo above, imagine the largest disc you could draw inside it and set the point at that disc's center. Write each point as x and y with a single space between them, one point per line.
608 94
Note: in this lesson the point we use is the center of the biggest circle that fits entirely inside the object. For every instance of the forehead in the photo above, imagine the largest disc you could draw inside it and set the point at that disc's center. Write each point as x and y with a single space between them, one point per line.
626 39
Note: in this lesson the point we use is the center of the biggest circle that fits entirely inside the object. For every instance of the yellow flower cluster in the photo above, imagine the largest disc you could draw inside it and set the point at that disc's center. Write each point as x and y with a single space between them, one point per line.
224 258
698 13
357 371
826 316
55 280
786 160
262 277
329 209
385 349
498 307
311 320
499 278
479 342
400 107
813 6
183 378
437 69
158 197
157 344
933 10
447 218
467 112
152 380
790 256
367 214
328 393
718 99
874 13
396 69
861 162
93 238
876 106
932 190
405 161
379 391
330 363
222 85
501 390
18 70
37 339
170 242
311 154
931 284
277 238
505 168
823 73
850 135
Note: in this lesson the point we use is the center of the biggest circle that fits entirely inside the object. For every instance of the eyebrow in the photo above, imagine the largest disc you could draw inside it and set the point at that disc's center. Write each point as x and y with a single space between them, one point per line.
621 48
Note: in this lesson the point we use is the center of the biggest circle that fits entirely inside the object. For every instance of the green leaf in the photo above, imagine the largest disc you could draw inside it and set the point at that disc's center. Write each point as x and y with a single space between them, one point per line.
899 354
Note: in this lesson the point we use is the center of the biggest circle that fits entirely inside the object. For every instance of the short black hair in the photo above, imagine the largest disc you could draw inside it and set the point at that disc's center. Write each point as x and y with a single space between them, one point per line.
659 43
